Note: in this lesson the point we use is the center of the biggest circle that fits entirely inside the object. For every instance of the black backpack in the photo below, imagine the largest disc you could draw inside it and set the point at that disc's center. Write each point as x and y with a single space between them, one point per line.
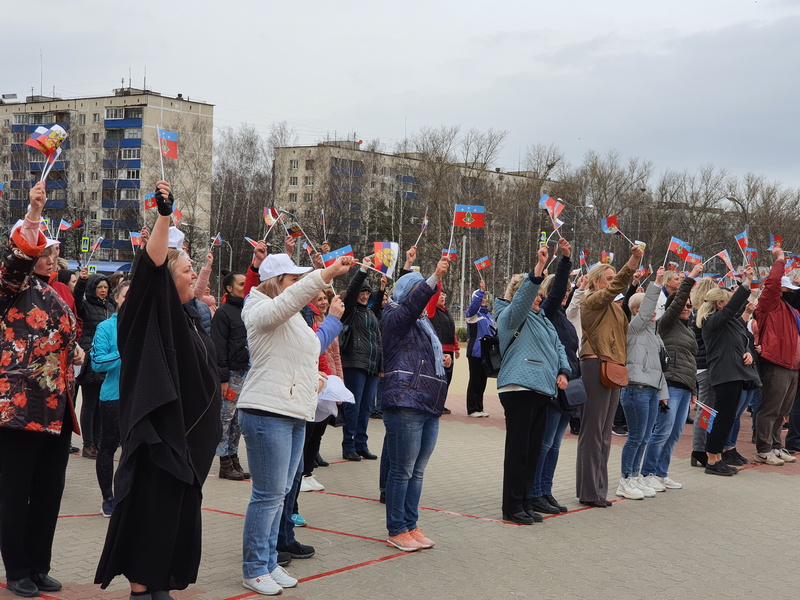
491 355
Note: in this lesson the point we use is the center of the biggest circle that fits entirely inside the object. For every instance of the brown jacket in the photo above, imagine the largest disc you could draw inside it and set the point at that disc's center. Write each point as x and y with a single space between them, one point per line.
605 326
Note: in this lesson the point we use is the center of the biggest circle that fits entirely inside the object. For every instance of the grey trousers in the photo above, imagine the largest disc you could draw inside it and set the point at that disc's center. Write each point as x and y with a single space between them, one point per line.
777 398
594 441
705 394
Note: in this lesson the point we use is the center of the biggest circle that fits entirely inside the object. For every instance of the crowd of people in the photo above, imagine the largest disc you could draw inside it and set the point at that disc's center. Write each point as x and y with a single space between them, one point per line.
176 379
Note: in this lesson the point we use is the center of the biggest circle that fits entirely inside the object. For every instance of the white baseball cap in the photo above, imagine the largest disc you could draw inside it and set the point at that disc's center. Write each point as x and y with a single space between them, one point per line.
279 264
787 283
176 238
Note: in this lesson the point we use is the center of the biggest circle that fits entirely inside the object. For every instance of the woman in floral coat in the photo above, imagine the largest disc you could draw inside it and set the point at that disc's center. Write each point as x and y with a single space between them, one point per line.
37 417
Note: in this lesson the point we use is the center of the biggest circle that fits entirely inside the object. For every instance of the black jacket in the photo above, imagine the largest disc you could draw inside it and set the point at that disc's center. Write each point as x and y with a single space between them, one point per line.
551 306
91 309
680 340
230 337
361 346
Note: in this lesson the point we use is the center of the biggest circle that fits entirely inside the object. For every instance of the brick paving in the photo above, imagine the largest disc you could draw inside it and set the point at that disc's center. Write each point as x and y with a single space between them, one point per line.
719 537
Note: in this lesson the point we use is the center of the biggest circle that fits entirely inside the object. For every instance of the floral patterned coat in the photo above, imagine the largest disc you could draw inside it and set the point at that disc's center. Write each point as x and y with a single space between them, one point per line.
37 345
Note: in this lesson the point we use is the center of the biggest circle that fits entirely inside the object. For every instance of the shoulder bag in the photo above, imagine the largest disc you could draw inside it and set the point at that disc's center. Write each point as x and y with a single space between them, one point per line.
613 375
491 356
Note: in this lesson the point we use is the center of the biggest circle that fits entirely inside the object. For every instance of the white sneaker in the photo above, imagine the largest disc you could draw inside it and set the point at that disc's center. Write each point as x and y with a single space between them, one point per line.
477 414
263 584
628 490
654 482
305 486
484 414
646 489
769 459
282 577
315 485
669 484
785 455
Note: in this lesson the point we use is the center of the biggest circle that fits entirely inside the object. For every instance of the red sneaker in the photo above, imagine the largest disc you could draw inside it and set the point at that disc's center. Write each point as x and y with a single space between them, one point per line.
404 542
420 537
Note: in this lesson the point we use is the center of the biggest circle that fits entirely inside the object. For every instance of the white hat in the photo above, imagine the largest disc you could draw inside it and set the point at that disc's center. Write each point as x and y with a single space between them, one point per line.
619 297
787 283
49 241
279 264
175 238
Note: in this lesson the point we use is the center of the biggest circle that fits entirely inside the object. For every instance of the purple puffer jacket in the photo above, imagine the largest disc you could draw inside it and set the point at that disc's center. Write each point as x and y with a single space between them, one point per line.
410 379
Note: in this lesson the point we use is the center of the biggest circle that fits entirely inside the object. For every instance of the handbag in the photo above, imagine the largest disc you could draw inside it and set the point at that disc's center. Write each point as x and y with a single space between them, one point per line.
573 396
346 333
491 356
664 358
613 375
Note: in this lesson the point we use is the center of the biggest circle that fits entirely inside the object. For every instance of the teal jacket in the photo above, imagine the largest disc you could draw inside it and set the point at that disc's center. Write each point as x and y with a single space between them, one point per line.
105 357
536 357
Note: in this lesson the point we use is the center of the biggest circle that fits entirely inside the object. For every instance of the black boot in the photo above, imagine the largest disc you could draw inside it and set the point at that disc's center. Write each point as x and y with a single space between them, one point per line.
699 459
238 467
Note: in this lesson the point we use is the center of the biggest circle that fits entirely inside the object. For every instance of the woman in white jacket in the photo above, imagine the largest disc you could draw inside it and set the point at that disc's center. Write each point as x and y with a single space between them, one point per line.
278 397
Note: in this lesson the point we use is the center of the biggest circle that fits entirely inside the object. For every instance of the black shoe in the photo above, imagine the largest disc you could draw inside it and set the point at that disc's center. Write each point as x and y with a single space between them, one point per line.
595 503
446 411
376 414
619 430
689 420
792 449
74 450
539 504
553 502
321 462
367 454
521 517
351 456
733 458
23 587
699 459
45 583
160 595
382 498
298 550
284 558
575 430
719 468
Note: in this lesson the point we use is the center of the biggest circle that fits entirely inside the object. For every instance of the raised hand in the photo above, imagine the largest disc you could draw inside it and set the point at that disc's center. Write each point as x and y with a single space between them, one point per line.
660 273
337 307
565 247
37 197
259 253
441 267
340 267
164 199
289 244
697 271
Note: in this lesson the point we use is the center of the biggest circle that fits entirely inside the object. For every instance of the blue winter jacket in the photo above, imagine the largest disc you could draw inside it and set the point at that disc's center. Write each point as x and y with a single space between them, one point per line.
410 379
537 356
105 357
479 323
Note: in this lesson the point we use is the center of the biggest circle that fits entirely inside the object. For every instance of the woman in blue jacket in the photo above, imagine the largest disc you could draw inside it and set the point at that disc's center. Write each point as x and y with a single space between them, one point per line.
479 323
105 359
533 369
415 388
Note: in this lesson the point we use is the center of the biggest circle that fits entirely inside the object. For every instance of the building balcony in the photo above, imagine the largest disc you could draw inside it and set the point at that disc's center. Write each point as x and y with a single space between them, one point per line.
122 164
121 123
123 143
121 184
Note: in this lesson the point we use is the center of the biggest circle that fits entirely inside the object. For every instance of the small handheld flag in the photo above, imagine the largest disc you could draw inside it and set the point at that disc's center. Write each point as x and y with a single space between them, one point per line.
775 241
217 240
330 258
451 254
136 240
707 415
271 216
97 243
77 224
177 215
64 225
308 248
252 242
48 141
606 257
385 259
168 143
609 224
584 257
294 230
750 256
468 216
741 239
423 227
482 263
679 247
694 259
150 201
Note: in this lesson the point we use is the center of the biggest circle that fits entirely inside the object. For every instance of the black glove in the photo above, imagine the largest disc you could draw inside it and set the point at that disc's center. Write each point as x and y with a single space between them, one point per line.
663 407
165 205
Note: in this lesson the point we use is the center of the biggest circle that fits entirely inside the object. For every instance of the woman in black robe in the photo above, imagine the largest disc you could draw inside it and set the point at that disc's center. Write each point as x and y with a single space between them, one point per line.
169 424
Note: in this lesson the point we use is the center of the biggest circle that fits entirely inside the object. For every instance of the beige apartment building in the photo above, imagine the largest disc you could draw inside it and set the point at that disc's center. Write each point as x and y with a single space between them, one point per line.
109 161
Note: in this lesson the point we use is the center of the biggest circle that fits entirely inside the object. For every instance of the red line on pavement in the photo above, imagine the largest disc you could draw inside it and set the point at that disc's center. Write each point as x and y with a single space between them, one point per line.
347 496
45 596
75 516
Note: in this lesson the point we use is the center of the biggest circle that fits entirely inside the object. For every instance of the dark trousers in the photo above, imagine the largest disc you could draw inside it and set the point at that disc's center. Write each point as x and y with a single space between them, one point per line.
727 400
364 387
526 417
32 473
109 442
793 435
90 414
777 398
314 433
476 385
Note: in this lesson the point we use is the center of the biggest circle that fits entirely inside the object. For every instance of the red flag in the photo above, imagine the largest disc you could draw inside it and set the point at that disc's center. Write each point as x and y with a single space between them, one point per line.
679 247
468 216
150 201
168 143
177 215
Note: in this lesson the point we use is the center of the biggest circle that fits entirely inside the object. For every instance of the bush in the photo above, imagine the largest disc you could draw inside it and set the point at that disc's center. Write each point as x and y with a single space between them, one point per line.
461 334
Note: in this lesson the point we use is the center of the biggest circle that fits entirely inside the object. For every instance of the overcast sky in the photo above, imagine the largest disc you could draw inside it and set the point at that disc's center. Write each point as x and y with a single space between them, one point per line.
683 82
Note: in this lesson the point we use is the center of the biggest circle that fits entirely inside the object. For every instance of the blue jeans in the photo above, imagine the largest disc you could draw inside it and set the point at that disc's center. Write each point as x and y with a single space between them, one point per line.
231 430
274 451
554 429
364 387
640 403
411 437
744 402
669 428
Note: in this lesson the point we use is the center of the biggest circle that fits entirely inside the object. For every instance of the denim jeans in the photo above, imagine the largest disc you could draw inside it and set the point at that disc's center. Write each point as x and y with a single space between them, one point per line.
744 402
554 429
364 387
669 428
640 403
286 529
411 437
229 415
274 451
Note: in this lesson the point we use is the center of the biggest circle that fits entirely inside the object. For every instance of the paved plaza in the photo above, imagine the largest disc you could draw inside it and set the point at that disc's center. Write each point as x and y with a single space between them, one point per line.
719 537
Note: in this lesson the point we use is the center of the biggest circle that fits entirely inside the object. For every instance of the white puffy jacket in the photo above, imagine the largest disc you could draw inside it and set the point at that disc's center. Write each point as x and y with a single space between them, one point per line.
284 351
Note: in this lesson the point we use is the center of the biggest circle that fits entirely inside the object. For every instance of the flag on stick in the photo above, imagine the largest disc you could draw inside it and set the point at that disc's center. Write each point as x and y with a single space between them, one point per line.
584 257
741 239
168 143
750 256
176 215
385 259
468 216
150 201
451 254
679 247
694 259
308 248
330 258
609 224
217 241
136 240
271 216
707 415
482 263
606 257
423 227
251 241
775 241
64 225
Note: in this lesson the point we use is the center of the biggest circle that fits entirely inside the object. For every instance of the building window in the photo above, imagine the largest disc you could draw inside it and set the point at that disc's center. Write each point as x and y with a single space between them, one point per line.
309 165
93 215
109 173
308 180
292 180
80 197
293 197
96 118
115 113
129 194
96 138
81 177
82 139
133 113
383 187
20 138
129 174
383 170
6 122
133 133
131 153
308 197
95 156
372 185
293 165
82 119
94 196
95 176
